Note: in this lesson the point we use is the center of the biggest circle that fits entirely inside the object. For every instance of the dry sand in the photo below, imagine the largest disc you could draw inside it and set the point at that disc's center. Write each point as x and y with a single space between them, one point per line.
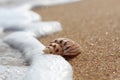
95 25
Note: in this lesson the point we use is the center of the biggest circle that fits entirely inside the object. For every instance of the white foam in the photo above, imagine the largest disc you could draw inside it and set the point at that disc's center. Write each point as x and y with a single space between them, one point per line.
49 67
12 72
13 16
38 28
45 67
26 43
44 28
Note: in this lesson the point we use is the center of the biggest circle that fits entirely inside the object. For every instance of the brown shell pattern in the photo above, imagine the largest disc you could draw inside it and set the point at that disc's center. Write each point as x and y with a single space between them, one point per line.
63 46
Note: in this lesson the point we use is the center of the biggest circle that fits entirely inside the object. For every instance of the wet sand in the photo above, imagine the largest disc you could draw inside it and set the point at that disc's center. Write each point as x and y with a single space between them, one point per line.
95 25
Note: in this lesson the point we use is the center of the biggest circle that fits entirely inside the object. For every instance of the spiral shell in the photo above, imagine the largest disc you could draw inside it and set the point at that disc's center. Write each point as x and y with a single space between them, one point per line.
63 46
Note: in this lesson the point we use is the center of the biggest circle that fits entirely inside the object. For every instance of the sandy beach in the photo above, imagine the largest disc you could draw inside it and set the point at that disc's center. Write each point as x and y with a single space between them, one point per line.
95 25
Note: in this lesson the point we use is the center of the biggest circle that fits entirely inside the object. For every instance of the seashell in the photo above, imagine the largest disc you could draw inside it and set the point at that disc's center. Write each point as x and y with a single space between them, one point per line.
64 47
